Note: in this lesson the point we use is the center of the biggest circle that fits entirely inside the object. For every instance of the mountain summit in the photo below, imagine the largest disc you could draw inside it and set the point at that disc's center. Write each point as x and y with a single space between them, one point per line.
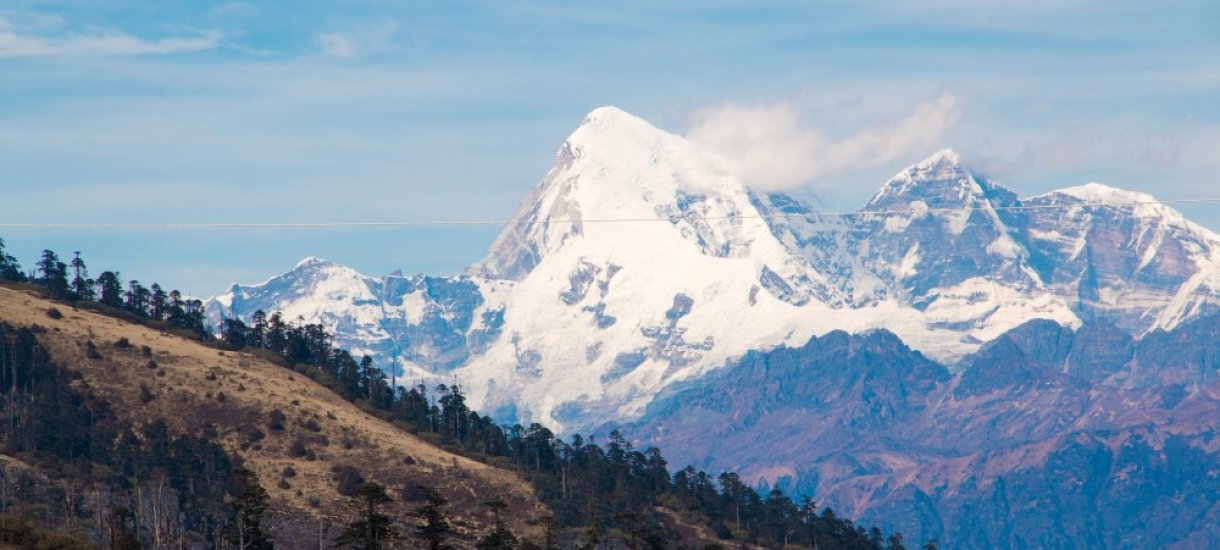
939 181
639 261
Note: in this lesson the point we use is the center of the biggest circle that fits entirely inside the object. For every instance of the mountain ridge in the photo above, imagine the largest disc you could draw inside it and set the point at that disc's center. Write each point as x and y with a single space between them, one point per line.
571 317
1035 443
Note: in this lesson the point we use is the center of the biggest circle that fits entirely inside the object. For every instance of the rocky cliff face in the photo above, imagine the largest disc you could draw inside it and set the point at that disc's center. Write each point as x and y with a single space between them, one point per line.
1047 438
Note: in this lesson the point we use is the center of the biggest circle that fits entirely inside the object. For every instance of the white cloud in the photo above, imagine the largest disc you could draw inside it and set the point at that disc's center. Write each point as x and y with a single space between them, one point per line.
14 43
336 44
358 40
771 147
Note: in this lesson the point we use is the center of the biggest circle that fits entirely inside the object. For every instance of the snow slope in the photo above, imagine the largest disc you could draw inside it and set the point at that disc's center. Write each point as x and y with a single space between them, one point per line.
639 261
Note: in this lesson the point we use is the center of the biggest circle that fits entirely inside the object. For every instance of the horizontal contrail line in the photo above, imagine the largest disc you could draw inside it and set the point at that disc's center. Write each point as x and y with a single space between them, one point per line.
441 223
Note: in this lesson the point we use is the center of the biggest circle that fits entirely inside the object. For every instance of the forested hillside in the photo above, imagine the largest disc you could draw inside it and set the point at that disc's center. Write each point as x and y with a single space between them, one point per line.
121 433
113 423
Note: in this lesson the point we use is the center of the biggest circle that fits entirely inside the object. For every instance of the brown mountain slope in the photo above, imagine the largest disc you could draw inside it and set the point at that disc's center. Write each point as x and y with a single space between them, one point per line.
191 386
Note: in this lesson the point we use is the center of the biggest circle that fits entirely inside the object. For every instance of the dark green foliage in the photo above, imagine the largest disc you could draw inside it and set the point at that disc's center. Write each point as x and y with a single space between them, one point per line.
22 534
500 538
372 530
74 435
250 502
111 290
122 534
276 420
434 531
151 305
52 274
10 270
348 480
82 285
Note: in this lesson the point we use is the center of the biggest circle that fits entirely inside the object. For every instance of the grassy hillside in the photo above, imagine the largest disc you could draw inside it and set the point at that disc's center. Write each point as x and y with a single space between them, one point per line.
303 441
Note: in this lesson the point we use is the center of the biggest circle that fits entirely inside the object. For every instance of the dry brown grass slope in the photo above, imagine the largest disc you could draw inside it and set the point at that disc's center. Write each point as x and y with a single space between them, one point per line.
191 386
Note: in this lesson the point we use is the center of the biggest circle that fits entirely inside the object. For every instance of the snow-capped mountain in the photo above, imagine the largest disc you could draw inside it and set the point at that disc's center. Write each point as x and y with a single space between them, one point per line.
409 321
1126 259
639 261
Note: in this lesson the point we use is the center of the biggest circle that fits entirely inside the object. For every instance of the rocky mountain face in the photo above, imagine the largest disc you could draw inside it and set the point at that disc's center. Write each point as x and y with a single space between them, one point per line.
639 262
1047 438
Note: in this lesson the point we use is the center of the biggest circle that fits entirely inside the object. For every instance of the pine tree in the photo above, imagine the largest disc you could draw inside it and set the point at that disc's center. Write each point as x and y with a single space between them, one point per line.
137 298
434 531
500 538
158 304
250 502
10 270
372 529
258 332
177 308
110 289
194 319
122 537
82 285
550 539
53 274
234 334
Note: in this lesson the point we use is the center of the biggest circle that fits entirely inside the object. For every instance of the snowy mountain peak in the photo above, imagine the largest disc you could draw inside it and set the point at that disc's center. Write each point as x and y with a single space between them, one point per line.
939 181
610 115
943 157
314 262
618 182
1100 193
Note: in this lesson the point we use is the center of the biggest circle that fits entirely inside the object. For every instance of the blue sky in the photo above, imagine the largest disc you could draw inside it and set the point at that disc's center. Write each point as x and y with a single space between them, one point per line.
132 111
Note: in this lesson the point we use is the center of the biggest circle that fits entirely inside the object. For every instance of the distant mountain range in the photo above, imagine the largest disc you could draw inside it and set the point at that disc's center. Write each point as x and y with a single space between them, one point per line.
951 361
1045 438
640 261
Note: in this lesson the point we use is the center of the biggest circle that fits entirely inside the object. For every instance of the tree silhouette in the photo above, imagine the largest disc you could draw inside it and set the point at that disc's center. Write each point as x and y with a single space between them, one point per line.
82 285
10 270
372 529
246 530
434 530
500 538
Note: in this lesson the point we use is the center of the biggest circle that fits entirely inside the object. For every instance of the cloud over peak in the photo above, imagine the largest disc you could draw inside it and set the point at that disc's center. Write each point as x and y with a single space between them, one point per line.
771 147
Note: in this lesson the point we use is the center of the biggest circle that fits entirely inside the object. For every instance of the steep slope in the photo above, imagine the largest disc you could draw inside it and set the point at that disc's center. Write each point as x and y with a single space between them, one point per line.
602 313
1047 438
771 414
193 387
1124 259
